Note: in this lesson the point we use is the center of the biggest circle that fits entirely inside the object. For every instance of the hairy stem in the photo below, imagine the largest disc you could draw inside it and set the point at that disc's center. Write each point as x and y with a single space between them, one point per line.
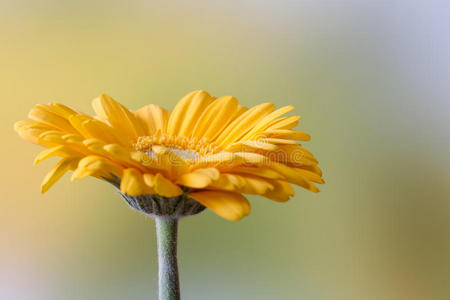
166 234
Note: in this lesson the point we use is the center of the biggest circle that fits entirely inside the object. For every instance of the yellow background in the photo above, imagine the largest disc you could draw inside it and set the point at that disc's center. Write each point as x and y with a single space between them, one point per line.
370 79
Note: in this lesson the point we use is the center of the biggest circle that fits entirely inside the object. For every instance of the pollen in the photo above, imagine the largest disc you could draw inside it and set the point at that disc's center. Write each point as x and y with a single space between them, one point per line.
190 146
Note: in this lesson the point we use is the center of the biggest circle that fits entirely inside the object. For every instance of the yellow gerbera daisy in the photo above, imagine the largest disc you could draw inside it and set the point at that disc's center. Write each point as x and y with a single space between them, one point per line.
207 152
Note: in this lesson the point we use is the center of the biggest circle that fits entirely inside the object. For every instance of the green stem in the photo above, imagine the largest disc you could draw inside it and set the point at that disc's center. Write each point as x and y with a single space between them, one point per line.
166 234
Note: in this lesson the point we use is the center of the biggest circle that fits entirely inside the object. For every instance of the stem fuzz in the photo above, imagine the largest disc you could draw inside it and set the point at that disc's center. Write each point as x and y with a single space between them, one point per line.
166 234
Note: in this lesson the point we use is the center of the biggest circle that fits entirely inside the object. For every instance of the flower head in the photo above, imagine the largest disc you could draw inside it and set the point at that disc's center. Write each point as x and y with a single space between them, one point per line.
211 150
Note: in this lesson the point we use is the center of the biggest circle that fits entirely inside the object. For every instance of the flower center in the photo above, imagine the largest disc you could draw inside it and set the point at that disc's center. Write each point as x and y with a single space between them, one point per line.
188 148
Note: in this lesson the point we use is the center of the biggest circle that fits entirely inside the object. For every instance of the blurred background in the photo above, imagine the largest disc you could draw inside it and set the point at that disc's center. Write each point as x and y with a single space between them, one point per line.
371 81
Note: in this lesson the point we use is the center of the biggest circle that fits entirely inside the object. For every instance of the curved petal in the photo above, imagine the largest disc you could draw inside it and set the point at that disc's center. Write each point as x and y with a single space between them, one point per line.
256 185
92 128
282 191
187 111
284 123
228 182
154 118
31 130
200 178
261 125
40 114
133 183
294 176
241 125
57 172
277 141
96 166
165 187
251 146
122 155
215 117
173 165
118 116
258 171
287 134
60 150
62 110
228 205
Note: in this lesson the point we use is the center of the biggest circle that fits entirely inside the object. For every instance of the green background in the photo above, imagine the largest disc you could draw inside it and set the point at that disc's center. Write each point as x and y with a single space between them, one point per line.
370 80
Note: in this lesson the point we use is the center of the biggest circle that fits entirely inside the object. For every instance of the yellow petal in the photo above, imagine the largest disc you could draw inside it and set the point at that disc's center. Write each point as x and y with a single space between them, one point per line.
228 205
74 139
258 171
154 118
57 172
228 182
215 159
241 125
31 130
252 158
293 176
289 173
294 154
255 185
51 138
215 117
239 111
91 128
169 161
149 179
277 141
60 150
200 178
133 183
194 112
284 123
118 116
212 159
313 168
148 162
213 173
180 119
41 115
62 110
304 152
251 146
282 191
165 187
287 134
122 155
96 166
261 125
96 146
311 176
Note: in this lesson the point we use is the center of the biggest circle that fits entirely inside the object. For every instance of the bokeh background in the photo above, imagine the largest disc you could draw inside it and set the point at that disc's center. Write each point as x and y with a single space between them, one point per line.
371 81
